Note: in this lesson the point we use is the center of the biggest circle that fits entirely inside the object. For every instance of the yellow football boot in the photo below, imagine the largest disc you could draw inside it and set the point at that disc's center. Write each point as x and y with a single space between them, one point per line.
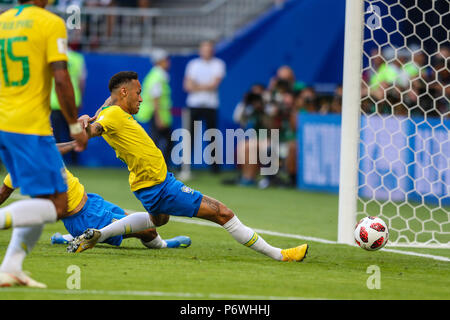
295 254
86 241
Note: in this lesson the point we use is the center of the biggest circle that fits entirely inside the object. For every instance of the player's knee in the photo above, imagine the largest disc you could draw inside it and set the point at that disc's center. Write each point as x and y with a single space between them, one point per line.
225 214
160 219
146 235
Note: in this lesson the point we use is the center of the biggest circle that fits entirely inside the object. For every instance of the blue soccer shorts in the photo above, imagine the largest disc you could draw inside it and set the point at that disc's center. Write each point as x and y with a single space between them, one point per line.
171 197
97 213
34 163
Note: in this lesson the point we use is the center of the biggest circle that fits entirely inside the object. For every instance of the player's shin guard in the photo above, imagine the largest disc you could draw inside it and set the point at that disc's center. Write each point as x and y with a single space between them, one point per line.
22 242
135 222
249 238
26 213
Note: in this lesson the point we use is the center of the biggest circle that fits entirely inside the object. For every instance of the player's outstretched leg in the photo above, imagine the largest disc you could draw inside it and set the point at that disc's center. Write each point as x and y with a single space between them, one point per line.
215 211
132 223
22 242
149 238
29 212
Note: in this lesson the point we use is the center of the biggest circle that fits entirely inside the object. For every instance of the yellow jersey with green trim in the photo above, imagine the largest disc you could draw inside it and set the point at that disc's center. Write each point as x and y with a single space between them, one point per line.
75 190
134 147
30 39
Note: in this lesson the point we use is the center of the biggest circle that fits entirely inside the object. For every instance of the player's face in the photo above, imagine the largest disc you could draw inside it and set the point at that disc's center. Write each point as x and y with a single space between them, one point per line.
134 98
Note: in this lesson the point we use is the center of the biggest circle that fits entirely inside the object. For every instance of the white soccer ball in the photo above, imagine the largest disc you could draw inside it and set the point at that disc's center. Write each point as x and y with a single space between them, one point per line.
371 233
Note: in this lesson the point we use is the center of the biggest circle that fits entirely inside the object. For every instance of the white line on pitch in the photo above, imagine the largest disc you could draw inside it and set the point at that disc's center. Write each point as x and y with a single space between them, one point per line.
300 237
285 235
260 231
185 295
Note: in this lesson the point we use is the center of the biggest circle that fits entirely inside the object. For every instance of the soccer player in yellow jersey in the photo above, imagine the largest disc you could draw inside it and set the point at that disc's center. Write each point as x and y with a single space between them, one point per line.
33 45
157 189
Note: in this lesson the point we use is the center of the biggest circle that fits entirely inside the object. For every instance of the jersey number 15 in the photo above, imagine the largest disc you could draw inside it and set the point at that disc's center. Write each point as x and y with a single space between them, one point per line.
6 51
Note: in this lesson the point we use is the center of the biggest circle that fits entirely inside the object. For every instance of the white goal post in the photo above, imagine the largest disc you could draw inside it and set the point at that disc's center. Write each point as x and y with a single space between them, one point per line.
395 142
351 106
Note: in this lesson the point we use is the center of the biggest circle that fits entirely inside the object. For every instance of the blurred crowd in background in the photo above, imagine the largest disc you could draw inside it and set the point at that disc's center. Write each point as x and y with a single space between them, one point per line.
407 82
276 105
396 81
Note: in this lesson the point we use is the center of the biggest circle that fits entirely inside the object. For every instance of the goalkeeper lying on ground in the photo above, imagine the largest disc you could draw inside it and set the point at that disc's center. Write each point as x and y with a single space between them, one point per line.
89 210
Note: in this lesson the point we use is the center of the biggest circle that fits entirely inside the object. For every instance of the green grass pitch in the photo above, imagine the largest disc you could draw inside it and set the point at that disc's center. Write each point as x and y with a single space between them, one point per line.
217 267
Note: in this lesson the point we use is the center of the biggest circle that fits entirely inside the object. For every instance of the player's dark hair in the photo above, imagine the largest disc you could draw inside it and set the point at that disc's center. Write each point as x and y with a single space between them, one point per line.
120 78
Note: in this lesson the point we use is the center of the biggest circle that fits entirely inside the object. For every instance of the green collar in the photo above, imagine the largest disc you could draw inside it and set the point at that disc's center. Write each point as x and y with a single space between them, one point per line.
21 7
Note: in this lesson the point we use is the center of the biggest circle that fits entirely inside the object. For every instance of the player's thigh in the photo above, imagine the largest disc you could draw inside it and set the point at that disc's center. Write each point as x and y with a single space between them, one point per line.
172 197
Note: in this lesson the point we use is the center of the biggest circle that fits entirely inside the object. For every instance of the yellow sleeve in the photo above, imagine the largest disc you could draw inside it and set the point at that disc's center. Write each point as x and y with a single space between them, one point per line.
8 182
56 39
109 119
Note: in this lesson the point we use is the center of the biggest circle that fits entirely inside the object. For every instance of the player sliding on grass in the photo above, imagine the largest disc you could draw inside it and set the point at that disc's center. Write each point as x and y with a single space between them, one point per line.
157 189
89 210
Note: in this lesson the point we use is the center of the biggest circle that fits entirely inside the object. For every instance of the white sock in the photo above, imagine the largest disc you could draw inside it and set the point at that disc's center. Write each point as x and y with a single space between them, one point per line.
249 238
22 242
135 222
67 237
26 213
157 243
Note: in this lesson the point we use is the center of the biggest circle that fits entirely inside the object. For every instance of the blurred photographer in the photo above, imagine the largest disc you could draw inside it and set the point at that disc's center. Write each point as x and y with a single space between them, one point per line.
250 113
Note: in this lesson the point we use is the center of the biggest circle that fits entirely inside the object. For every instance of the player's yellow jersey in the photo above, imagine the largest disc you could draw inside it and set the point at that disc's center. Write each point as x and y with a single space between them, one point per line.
134 147
30 39
75 191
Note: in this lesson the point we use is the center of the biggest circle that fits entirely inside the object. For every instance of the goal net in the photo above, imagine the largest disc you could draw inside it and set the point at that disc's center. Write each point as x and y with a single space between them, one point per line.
399 158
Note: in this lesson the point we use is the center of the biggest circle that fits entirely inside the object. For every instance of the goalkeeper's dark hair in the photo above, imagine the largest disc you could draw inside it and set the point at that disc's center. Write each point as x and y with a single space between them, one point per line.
121 78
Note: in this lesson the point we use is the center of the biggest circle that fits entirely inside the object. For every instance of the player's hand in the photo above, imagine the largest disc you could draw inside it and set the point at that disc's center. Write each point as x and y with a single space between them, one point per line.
81 140
85 120
79 134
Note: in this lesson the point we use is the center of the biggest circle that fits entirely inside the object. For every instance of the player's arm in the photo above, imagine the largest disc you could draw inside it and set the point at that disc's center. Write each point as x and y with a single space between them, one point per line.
66 147
66 98
94 130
